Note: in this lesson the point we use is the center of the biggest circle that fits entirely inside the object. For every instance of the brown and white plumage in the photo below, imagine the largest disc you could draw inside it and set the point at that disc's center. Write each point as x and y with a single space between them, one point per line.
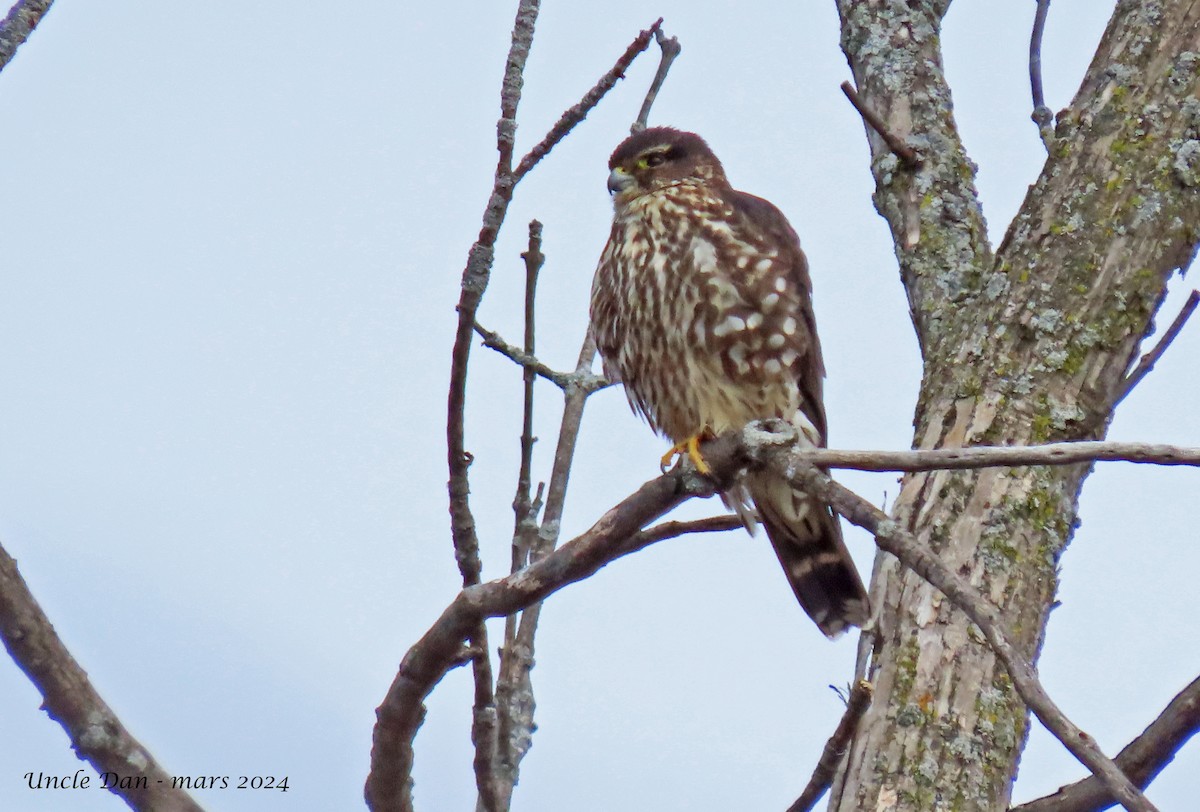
702 307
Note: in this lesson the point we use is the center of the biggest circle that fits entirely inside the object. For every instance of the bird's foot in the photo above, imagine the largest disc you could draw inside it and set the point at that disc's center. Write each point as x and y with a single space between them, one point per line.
691 449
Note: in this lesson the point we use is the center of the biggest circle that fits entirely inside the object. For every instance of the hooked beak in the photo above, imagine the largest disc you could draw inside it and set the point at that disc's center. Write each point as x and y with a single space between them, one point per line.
618 181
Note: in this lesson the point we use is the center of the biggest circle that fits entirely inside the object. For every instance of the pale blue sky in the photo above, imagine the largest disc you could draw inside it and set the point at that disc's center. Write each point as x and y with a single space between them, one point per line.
232 244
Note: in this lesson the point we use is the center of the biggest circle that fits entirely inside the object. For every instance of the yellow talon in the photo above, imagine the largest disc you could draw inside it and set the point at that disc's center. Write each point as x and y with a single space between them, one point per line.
690 447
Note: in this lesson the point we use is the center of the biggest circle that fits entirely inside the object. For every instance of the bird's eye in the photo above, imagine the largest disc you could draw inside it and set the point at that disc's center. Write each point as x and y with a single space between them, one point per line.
655 159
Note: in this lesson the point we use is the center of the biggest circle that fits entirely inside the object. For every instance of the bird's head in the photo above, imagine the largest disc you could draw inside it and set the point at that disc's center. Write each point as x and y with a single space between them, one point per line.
659 157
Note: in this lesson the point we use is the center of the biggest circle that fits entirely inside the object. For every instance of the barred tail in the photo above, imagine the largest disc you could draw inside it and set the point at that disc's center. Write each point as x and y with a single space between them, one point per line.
807 538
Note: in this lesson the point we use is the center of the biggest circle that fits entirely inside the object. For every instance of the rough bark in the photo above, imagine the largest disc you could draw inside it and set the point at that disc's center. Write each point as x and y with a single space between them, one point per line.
1025 346
125 767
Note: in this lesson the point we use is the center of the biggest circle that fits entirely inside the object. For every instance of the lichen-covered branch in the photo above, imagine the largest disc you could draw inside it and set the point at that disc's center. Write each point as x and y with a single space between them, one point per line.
951 459
1141 760
1025 347
68 696
936 220
22 18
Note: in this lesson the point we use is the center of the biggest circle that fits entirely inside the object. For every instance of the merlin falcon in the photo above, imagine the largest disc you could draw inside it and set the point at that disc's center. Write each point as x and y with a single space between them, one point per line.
702 308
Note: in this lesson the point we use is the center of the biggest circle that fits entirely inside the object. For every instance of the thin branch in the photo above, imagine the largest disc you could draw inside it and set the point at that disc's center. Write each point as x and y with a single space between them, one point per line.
523 503
383 794
69 698
22 18
891 538
586 379
578 112
1042 115
1141 760
670 48
519 655
835 748
947 459
514 694
484 723
1148 360
901 150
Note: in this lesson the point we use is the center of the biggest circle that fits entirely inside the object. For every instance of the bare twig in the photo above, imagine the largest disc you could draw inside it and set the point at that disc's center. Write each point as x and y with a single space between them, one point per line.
1148 360
835 748
1042 116
523 502
1141 760
68 696
514 694
22 18
578 112
586 379
901 150
670 48
946 459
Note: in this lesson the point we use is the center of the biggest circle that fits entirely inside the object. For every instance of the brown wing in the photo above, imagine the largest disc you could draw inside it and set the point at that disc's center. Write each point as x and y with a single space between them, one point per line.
805 533
762 217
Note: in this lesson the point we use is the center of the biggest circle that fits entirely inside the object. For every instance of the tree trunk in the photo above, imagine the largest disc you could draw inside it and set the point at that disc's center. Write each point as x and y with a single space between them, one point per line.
1029 345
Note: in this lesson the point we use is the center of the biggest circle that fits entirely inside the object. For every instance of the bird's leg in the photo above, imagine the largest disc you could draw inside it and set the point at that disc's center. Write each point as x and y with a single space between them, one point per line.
691 448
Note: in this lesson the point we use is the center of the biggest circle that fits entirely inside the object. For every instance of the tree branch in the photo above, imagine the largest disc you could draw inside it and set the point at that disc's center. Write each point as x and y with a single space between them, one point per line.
945 459
1151 358
514 693
585 379
669 48
1042 116
907 155
578 112
96 734
1141 760
835 748
22 18
462 522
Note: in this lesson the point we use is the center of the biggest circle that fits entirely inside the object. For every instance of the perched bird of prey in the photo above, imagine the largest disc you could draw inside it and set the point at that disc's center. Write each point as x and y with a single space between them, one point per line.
702 308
